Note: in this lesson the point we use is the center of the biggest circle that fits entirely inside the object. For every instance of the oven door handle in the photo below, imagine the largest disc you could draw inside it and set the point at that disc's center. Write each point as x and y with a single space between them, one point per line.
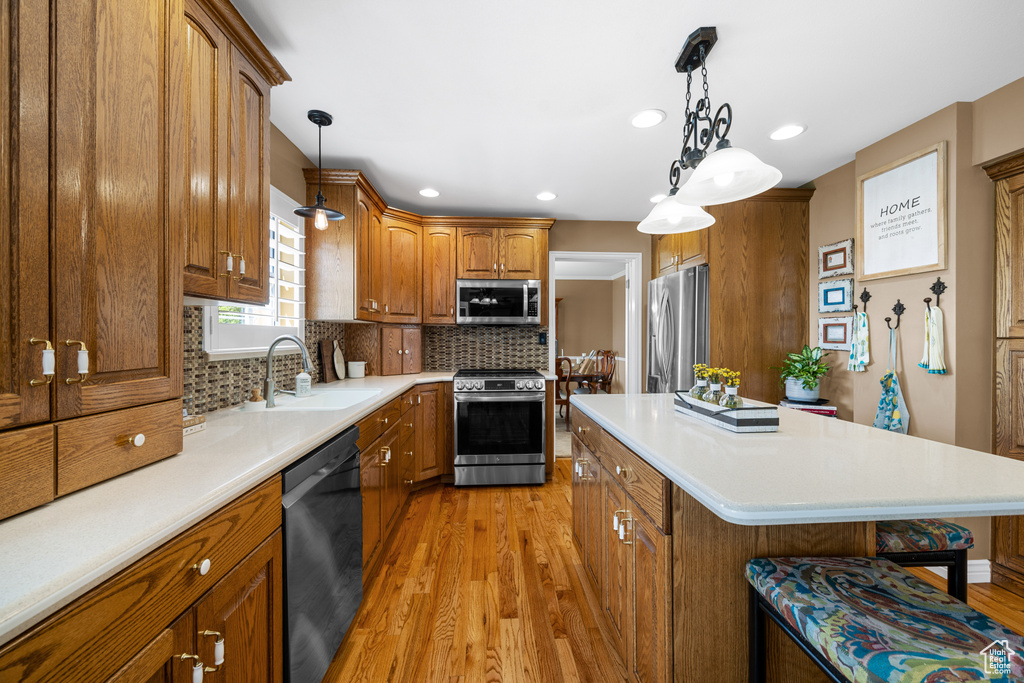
495 397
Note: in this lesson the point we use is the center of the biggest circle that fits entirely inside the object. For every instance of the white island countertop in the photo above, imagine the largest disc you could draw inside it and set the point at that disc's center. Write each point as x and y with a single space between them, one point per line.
814 469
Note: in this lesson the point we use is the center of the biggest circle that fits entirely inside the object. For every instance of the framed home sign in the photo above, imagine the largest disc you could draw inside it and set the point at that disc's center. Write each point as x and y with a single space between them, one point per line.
835 259
901 216
835 296
835 334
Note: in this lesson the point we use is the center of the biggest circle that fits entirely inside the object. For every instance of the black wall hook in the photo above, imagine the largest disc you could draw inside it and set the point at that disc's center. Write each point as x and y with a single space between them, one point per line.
898 309
865 296
938 287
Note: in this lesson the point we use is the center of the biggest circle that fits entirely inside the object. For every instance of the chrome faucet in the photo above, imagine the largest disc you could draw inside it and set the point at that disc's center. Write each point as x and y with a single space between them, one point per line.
268 382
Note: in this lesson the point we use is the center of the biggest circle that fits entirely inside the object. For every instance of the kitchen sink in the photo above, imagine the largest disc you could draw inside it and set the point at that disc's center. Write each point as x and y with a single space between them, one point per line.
323 399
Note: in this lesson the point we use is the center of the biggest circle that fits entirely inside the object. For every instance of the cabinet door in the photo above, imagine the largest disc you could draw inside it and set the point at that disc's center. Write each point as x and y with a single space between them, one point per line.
1010 256
650 641
594 519
663 251
160 661
391 498
691 248
118 197
615 561
439 274
401 253
246 609
412 350
478 253
1009 404
24 212
430 431
371 486
523 254
249 205
407 463
367 227
579 496
27 458
392 350
207 97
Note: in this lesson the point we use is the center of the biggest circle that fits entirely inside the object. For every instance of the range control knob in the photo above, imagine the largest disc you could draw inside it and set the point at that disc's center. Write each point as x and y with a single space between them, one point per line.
519 385
458 385
479 385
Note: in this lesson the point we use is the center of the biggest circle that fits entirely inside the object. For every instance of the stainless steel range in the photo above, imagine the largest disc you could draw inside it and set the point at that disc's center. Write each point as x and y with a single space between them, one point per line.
499 427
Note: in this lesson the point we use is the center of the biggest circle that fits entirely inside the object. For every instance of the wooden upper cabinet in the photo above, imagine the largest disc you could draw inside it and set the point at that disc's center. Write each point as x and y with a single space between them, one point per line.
672 252
207 55
1009 177
401 247
439 274
226 101
523 253
249 205
478 253
118 197
412 350
24 214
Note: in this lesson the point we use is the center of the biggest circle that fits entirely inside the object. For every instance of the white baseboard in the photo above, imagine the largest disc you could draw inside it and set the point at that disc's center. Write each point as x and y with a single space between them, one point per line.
978 571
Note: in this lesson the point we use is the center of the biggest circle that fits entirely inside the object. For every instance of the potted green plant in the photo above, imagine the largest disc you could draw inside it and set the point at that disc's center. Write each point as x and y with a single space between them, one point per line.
801 372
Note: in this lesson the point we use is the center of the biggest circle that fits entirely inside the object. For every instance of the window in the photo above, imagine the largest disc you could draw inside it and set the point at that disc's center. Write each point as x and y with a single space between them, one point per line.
233 329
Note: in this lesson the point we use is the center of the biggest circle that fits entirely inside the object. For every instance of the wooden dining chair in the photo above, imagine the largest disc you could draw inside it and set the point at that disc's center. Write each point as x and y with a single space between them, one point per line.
563 374
604 370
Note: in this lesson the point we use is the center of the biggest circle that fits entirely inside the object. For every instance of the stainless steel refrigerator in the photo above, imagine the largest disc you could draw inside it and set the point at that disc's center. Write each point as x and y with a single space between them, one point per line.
677 328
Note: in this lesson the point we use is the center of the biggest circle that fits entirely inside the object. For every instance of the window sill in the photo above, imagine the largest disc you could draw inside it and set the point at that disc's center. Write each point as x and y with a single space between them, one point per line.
235 354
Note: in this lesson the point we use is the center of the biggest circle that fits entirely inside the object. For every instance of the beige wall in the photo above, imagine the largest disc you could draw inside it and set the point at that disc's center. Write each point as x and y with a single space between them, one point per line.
955 408
619 330
286 164
584 316
607 236
997 123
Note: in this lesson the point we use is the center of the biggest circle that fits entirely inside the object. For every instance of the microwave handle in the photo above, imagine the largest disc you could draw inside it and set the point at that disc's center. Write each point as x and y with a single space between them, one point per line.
526 298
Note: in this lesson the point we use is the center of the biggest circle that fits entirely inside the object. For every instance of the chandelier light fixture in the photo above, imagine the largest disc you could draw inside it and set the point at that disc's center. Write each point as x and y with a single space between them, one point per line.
725 174
318 212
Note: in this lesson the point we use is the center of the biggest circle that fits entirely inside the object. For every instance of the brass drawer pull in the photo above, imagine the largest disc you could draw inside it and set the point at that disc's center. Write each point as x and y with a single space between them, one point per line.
83 361
49 363
218 649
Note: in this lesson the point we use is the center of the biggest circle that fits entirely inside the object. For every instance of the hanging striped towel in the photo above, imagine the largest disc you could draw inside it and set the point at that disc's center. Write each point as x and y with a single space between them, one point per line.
932 360
860 354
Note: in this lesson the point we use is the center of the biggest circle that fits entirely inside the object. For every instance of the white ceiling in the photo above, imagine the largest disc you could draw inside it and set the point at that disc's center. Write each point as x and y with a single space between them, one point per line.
491 103
589 270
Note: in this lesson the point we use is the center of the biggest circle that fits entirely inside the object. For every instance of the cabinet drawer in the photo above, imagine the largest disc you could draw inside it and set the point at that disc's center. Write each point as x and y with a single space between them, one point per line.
644 484
93 449
90 638
26 469
408 400
375 424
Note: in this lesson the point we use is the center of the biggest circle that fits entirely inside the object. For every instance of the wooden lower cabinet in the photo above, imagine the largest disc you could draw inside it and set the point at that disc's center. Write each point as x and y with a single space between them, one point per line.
615 592
124 628
1008 531
433 453
649 593
371 484
594 519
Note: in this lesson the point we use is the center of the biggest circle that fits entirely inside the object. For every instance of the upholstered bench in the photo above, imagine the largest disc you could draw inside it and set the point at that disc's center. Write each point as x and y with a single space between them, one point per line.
865 619
928 543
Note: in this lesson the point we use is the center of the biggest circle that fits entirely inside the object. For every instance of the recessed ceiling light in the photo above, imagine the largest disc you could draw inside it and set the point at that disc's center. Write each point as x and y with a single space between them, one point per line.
428 192
546 196
657 198
647 118
788 131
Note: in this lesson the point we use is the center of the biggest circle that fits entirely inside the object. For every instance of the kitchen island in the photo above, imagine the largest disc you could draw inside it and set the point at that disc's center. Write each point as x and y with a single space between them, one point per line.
668 509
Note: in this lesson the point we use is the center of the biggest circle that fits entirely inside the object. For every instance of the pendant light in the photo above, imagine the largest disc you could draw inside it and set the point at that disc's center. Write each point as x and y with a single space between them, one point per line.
318 212
726 174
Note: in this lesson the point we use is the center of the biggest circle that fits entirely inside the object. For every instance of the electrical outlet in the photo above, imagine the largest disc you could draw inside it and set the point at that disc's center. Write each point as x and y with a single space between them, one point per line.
543 338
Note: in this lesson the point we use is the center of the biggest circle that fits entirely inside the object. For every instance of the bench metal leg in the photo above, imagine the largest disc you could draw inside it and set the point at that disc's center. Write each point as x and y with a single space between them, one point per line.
758 640
956 577
955 562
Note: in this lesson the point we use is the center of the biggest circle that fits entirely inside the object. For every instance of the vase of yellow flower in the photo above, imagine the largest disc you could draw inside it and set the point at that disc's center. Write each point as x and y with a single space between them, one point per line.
731 398
700 374
714 392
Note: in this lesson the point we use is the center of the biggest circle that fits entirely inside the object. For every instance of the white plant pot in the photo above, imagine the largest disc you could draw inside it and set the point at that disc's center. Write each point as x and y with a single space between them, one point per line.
795 391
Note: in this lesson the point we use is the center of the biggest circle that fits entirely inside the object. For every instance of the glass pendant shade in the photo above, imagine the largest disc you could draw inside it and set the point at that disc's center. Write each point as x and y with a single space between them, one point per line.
319 213
728 175
671 215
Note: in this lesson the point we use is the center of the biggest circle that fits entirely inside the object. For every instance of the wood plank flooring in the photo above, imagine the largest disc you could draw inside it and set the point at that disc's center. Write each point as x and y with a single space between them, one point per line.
482 584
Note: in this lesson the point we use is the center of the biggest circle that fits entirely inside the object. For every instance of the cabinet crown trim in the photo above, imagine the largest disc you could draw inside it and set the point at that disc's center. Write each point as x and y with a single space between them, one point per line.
1006 168
245 39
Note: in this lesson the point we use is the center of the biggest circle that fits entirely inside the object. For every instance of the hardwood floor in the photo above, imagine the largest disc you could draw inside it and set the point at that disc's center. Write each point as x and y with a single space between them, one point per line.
482 584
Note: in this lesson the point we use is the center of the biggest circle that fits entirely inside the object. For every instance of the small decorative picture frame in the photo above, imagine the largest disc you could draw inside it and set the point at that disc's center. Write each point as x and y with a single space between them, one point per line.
835 296
835 259
835 334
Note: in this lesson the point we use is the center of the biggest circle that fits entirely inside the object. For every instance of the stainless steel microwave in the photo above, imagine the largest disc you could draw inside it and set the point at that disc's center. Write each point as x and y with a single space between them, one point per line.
498 302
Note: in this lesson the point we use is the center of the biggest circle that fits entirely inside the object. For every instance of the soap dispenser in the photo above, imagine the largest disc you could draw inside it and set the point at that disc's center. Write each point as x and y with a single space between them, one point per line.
303 384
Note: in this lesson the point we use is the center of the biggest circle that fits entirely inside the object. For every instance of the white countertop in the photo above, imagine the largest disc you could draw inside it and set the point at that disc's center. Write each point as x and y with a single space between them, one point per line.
53 554
814 469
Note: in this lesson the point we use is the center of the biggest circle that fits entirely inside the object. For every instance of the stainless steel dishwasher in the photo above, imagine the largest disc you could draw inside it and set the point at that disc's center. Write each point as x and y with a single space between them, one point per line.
323 555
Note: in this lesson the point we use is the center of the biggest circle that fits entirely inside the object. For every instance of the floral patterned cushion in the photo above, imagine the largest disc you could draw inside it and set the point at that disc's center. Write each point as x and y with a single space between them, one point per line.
877 623
921 535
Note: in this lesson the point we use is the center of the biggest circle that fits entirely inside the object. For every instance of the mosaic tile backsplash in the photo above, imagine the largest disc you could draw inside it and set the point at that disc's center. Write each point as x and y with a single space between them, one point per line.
210 386
454 347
